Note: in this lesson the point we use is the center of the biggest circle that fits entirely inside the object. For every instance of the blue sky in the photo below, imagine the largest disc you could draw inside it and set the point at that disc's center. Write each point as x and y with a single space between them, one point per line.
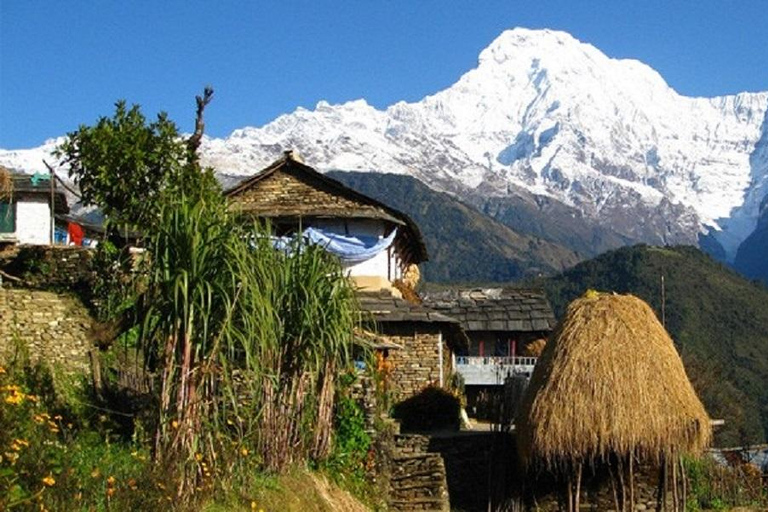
63 63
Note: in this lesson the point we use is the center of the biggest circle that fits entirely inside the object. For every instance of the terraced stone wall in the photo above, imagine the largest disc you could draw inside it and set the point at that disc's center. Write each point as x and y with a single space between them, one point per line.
51 327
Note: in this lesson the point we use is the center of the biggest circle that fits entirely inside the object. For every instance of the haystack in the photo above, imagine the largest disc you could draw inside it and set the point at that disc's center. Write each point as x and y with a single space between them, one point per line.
609 382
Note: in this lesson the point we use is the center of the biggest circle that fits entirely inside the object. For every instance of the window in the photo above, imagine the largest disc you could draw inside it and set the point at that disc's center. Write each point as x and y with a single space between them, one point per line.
7 217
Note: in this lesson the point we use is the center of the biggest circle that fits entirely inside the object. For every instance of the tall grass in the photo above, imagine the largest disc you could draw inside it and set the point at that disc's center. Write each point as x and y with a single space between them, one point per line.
244 340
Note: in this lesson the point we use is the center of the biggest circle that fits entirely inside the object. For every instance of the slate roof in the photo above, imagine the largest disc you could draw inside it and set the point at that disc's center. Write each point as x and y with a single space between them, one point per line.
495 309
388 309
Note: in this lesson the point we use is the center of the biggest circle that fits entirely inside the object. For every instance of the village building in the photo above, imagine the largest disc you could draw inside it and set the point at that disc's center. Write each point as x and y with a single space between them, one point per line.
379 248
28 209
507 329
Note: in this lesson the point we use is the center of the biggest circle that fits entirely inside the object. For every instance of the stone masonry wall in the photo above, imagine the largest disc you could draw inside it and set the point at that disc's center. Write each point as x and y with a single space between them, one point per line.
52 326
597 493
48 267
417 364
418 478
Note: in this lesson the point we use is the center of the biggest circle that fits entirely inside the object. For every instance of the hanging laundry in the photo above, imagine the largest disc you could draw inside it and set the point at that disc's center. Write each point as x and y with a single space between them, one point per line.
76 233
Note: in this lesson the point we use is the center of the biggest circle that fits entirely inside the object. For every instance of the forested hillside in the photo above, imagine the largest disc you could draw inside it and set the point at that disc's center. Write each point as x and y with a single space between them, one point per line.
718 319
463 244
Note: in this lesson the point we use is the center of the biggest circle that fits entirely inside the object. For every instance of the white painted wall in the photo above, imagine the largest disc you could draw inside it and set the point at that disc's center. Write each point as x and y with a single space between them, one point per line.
386 264
33 221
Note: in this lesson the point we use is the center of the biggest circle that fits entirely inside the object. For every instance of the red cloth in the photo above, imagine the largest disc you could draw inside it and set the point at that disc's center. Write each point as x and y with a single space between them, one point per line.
76 233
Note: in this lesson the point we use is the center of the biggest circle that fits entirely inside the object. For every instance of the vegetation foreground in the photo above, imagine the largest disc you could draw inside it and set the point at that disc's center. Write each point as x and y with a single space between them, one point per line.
226 365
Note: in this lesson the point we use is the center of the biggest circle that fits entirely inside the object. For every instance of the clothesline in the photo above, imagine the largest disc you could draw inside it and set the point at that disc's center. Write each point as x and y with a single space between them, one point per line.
349 249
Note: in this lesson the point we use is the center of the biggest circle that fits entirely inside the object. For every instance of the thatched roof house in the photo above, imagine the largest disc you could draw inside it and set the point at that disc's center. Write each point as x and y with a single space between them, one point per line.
609 382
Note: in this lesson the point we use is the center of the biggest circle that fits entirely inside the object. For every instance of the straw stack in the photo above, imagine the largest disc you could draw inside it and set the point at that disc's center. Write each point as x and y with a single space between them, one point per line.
609 382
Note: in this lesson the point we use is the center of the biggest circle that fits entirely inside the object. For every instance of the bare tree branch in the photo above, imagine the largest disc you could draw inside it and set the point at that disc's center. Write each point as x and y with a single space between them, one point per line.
193 144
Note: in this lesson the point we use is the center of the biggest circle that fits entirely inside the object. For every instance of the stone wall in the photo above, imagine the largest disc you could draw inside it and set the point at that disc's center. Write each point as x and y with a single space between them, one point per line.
48 267
417 482
53 327
597 491
417 364
289 192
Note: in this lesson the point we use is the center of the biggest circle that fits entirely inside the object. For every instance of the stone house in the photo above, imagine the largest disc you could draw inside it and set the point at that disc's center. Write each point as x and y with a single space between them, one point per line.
417 343
379 248
25 214
507 328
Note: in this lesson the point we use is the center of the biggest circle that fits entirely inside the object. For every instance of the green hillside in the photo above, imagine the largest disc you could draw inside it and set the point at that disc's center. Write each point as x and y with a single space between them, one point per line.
718 319
752 257
463 244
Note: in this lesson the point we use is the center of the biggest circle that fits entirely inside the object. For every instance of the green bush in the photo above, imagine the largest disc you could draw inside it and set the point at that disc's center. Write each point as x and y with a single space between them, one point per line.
50 458
716 487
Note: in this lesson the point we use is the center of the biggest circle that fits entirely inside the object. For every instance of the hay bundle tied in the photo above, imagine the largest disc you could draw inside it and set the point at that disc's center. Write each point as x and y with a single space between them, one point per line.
609 382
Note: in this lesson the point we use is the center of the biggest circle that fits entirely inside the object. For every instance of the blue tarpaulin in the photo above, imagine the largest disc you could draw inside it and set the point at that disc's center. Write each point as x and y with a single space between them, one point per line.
349 248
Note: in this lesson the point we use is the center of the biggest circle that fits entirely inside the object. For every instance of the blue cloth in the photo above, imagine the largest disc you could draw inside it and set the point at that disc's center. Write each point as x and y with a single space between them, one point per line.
60 236
349 249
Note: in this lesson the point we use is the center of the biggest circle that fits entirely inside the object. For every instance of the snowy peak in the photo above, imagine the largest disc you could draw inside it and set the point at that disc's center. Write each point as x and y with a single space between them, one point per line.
546 115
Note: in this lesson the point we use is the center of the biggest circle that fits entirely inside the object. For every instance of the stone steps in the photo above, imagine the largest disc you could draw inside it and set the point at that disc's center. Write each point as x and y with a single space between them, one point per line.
418 481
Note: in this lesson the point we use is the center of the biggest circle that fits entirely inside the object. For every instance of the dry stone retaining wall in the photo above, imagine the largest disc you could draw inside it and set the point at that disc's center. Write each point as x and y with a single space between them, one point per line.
48 267
417 482
53 327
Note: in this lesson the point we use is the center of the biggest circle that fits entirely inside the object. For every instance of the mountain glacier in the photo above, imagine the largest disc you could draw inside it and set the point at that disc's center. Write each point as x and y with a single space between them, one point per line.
544 115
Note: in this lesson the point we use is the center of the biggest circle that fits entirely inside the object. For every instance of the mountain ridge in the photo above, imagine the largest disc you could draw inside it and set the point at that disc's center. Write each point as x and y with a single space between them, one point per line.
544 115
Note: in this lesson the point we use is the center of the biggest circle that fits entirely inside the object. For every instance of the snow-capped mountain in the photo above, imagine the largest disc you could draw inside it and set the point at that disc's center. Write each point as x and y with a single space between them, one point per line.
544 115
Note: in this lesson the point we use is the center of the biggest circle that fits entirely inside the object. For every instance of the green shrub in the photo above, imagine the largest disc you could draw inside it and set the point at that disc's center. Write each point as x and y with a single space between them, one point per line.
51 459
716 487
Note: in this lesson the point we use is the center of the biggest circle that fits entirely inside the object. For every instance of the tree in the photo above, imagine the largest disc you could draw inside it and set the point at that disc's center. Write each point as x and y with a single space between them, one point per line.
127 166
122 164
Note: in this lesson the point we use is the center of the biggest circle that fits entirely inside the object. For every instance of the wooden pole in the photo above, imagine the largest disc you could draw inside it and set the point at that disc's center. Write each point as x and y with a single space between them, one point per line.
613 487
662 490
53 203
683 479
577 499
675 498
622 484
663 303
631 482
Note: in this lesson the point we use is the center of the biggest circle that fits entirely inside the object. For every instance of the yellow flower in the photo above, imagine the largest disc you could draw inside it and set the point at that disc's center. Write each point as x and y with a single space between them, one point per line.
175 424
198 457
244 452
22 442
111 480
95 473
49 481
15 398
110 491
